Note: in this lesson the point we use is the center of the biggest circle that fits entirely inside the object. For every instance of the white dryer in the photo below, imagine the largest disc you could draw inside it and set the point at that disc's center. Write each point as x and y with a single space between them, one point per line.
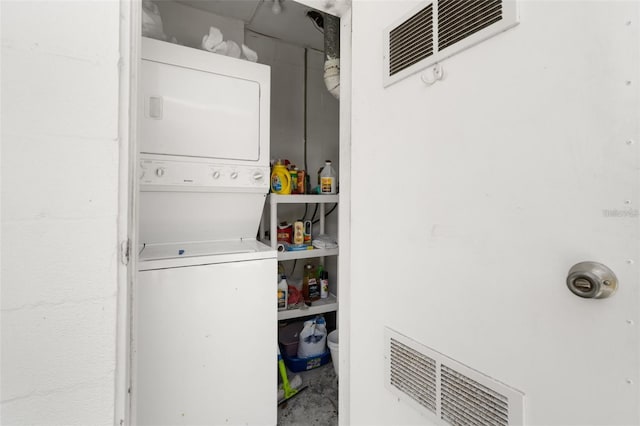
199 104
204 144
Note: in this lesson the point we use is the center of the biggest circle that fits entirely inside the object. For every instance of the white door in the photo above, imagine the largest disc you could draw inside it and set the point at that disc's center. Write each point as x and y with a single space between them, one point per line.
490 185
205 345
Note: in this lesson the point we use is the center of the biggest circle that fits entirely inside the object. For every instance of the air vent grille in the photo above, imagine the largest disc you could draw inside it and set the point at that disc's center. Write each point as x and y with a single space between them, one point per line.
458 19
414 374
437 29
411 41
446 391
465 401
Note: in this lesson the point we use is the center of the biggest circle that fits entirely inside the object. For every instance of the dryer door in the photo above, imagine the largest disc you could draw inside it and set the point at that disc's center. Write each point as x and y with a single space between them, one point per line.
195 113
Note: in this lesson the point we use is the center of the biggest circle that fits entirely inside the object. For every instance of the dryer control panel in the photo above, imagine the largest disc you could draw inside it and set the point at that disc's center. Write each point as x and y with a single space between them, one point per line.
155 174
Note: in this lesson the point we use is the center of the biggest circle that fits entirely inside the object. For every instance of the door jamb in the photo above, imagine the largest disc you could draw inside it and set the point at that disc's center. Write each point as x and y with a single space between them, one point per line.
130 40
130 25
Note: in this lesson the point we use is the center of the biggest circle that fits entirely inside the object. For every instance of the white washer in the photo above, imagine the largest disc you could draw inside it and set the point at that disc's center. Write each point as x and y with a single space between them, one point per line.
205 347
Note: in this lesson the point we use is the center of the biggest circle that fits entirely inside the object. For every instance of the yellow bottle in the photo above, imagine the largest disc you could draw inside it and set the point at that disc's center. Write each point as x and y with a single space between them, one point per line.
280 179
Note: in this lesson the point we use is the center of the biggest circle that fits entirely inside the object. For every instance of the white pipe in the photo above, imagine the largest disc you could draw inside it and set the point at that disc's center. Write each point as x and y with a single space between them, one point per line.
332 76
332 54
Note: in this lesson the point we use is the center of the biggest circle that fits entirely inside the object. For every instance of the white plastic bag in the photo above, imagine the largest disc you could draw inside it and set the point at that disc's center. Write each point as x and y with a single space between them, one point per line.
249 54
313 338
214 42
233 50
151 21
211 40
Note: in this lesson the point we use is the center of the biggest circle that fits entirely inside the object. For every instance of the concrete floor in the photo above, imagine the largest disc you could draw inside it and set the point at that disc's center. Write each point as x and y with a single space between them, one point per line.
317 405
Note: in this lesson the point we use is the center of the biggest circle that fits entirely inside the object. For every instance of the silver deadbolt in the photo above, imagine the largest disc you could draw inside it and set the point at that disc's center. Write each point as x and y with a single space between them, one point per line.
591 280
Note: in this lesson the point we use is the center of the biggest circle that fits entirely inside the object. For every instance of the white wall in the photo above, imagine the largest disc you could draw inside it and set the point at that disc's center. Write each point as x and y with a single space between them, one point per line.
473 197
59 211
287 104
189 25
287 99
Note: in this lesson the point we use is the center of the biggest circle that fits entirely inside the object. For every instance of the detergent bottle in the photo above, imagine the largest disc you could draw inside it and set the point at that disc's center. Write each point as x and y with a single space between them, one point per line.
280 179
313 338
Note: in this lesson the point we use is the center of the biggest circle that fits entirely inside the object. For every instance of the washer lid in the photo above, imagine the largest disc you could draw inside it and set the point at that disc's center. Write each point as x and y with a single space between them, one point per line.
174 255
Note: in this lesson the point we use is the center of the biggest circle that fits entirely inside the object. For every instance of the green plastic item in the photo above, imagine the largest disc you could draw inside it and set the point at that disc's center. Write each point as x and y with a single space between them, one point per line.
289 392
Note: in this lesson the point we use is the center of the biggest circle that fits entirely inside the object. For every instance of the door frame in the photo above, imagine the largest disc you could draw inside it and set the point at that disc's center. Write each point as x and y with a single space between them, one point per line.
344 220
130 42
130 25
344 12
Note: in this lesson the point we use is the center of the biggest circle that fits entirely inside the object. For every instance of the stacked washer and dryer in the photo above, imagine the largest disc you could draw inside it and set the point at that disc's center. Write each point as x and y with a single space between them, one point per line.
204 319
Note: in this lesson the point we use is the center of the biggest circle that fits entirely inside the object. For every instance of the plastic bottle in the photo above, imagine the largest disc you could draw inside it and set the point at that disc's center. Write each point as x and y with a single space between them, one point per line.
308 227
324 285
293 172
298 232
321 326
314 289
314 284
301 186
283 289
307 279
280 179
313 338
327 179
323 282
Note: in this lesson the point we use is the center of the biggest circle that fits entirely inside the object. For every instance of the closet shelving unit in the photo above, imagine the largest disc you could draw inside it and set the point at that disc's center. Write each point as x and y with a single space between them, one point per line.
321 306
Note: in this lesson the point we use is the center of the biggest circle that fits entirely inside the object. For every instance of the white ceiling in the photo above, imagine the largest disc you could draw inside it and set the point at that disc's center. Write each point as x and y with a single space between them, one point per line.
290 25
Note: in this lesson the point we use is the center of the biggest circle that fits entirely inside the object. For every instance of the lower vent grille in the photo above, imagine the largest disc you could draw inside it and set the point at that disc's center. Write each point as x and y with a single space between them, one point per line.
445 390
414 374
465 401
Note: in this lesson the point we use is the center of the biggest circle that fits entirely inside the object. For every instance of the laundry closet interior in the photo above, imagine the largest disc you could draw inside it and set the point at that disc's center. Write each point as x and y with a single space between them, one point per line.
237 239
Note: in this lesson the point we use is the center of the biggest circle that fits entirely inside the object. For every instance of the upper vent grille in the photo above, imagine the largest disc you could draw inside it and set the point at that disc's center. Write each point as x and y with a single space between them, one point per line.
441 28
414 374
458 19
411 41
446 391
465 401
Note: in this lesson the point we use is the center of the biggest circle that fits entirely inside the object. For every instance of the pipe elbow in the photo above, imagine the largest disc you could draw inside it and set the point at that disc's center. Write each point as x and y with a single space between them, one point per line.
332 76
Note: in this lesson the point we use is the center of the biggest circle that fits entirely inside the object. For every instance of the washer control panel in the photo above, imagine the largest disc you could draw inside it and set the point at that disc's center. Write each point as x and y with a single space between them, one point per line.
203 175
